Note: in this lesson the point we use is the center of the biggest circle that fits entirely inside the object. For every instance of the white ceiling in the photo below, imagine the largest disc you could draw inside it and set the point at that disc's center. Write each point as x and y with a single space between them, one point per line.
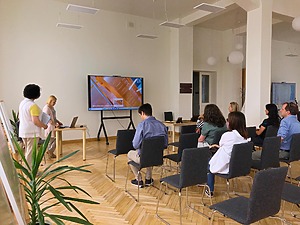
172 9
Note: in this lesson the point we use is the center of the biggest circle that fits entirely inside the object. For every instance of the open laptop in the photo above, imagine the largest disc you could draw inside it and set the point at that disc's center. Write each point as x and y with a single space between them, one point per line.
73 123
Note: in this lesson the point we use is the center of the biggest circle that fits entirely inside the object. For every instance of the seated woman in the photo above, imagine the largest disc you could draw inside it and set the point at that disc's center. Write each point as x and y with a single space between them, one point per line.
273 119
233 107
213 121
219 163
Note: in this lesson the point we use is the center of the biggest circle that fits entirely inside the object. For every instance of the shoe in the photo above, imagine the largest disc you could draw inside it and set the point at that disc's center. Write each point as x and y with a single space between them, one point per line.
210 195
149 182
137 183
51 155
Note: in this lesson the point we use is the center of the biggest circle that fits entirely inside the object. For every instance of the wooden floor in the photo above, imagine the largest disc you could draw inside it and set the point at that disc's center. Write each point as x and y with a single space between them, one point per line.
117 207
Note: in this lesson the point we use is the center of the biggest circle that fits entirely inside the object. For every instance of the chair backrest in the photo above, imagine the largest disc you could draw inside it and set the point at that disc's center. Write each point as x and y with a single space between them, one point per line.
265 196
217 136
251 132
124 141
270 152
240 160
194 166
271 131
189 140
152 152
295 148
188 129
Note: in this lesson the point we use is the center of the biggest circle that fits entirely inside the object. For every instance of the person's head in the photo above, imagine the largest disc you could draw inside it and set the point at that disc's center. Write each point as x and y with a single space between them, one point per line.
237 121
145 110
289 108
272 112
32 91
213 115
233 107
51 101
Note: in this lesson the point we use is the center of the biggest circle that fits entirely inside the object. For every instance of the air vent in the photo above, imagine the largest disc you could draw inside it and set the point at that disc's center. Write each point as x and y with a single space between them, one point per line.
209 7
82 9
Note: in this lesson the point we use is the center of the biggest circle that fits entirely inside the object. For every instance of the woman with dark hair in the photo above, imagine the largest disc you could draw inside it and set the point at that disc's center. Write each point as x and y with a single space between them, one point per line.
30 119
213 121
237 134
272 120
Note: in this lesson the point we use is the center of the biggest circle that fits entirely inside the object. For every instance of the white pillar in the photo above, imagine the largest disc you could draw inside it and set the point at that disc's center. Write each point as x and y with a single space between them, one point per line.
258 65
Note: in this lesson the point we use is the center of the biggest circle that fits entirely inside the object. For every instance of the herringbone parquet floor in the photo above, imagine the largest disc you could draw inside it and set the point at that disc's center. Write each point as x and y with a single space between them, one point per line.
117 207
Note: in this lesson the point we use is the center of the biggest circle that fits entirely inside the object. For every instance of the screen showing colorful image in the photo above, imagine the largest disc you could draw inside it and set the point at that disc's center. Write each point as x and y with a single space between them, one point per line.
114 92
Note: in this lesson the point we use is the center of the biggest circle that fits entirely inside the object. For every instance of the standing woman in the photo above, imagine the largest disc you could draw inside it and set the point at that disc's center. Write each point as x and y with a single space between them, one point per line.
53 122
213 121
272 120
30 119
237 134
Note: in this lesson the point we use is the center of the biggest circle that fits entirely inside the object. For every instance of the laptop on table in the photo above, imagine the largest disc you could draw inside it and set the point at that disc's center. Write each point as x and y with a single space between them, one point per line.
73 123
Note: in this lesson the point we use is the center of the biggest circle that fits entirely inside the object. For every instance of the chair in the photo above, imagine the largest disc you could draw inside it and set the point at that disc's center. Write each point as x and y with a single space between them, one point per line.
264 200
251 132
271 131
240 162
189 140
291 193
151 155
294 153
123 146
269 154
193 171
184 130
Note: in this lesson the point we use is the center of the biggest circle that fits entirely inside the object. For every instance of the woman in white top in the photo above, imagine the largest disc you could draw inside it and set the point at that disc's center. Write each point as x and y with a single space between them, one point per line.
53 122
237 134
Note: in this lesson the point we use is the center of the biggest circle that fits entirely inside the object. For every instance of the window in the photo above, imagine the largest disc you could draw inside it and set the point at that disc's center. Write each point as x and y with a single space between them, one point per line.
205 88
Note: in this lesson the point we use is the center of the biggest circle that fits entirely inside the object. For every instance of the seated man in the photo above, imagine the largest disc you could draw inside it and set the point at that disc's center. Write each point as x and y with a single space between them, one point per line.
289 125
149 127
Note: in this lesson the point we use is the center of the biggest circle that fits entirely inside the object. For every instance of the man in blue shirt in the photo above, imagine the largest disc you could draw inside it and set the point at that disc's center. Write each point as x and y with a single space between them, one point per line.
289 125
149 127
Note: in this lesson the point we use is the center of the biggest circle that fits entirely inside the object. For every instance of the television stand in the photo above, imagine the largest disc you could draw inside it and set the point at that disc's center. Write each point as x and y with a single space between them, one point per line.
102 125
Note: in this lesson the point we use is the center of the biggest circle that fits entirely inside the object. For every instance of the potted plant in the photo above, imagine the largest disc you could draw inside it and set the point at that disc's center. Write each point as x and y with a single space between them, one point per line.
41 195
15 124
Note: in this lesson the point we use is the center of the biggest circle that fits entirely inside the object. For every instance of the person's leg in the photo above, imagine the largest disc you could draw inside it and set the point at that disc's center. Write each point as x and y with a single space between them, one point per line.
148 173
284 154
211 181
52 147
28 143
256 155
134 156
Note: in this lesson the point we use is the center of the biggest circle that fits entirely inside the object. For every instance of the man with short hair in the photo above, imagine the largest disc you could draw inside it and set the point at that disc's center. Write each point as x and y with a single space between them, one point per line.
149 127
289 125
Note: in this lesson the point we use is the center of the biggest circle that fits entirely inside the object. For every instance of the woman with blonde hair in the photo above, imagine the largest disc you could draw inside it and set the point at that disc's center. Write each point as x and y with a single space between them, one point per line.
53 122
233 107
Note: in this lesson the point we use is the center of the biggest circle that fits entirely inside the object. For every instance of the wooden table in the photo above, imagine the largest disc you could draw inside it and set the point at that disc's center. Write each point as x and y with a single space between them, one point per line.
173 124
58 133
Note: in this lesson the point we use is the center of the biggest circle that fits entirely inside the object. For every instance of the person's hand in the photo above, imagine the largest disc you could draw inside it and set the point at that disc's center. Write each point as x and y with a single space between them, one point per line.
201 117
214 146
45 126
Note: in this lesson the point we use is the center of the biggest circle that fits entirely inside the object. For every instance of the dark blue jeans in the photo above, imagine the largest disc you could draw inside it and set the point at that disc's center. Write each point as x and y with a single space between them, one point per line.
210 180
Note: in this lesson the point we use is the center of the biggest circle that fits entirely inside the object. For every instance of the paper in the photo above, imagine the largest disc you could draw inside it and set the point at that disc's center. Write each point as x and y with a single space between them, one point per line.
45 118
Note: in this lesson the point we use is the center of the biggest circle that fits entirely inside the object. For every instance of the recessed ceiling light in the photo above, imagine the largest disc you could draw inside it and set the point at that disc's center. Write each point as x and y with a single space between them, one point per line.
83 9
291 55
209 7
67 25
149 36
171 24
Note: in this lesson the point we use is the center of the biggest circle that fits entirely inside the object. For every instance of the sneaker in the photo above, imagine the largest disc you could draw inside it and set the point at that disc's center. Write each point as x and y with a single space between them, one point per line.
149 182
137 183
211 194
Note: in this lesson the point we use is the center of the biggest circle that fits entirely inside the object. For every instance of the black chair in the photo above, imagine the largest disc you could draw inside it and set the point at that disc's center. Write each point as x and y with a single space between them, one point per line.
184 130
193 172
269 154
123 146
271 131
240 162
151 155
251 132
189 140
291 193
294 153
264 200
217 137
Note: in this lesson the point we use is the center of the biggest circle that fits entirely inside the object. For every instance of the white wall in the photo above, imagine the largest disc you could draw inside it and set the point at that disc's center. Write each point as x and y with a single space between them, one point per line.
34 50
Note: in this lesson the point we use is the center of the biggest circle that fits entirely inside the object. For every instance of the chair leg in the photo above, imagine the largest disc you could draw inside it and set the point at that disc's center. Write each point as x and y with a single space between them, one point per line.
180 212
189 206
160 190
212 217
114 169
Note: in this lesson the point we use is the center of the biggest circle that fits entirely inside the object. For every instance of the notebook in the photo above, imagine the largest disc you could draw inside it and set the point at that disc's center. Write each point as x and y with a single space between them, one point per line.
73 123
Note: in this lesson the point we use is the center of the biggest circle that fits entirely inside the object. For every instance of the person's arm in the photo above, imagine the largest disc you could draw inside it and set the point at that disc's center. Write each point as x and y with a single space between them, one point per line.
38 123
260 130
283 129
201 138
138 137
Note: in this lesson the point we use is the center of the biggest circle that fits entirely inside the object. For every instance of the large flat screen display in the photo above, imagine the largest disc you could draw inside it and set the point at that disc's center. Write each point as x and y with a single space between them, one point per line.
114 93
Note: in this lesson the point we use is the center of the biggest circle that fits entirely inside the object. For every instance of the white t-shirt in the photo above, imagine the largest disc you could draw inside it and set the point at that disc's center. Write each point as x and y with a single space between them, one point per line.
219 163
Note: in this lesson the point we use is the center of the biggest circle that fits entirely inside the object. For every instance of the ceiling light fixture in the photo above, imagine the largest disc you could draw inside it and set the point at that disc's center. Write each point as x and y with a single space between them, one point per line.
167 23
148 36
209 7
67 25
82 9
